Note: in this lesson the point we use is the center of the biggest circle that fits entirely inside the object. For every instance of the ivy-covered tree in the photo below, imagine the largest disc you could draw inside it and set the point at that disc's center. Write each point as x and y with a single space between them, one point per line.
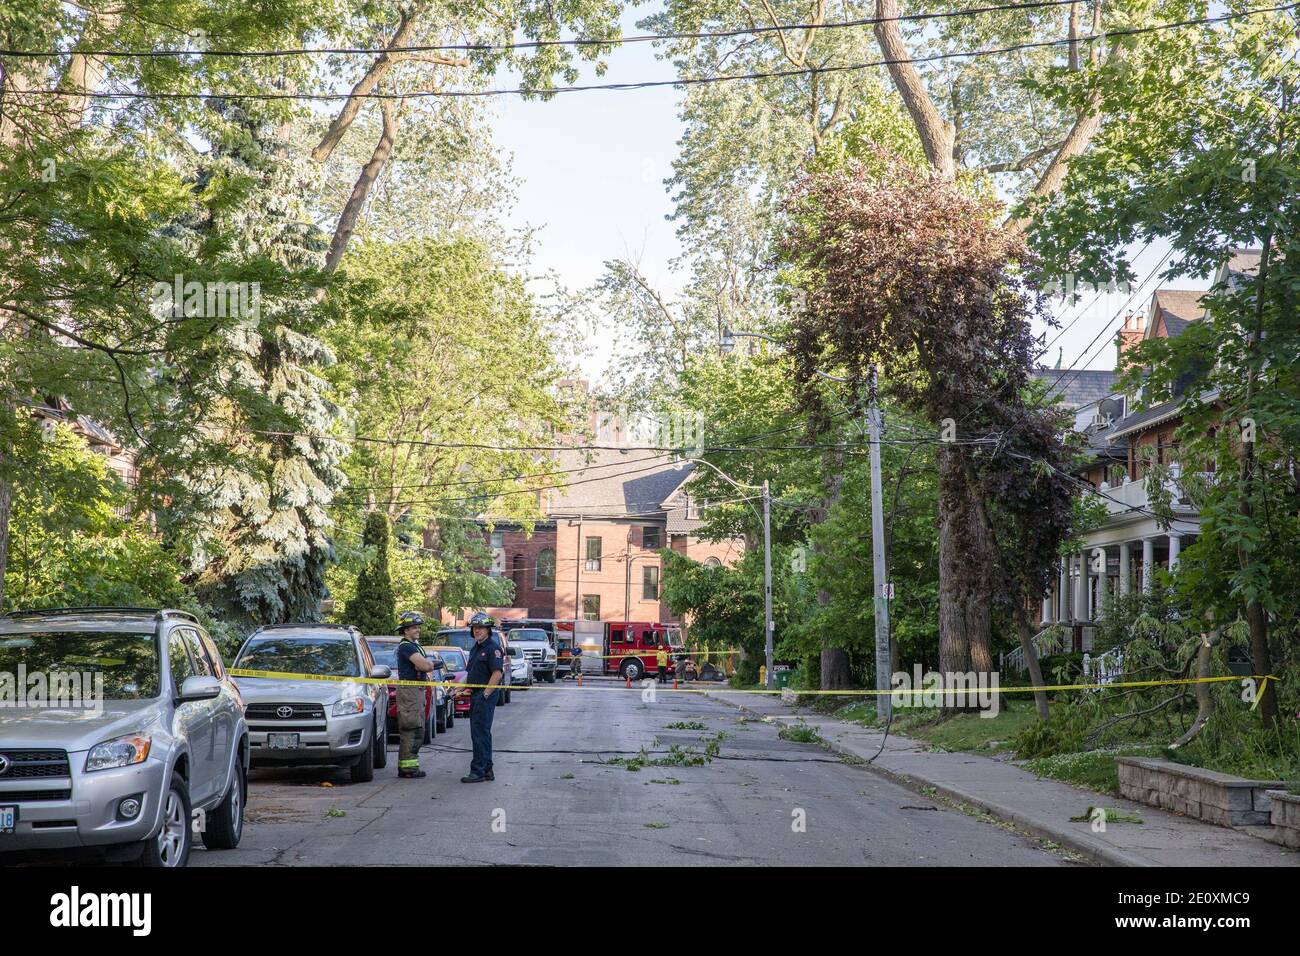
905 270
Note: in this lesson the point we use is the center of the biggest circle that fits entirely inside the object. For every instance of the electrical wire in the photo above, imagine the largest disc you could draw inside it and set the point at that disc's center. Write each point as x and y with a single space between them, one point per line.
678 82
544 44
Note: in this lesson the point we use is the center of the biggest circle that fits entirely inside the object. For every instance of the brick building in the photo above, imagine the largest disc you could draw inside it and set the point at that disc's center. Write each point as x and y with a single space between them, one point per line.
596 557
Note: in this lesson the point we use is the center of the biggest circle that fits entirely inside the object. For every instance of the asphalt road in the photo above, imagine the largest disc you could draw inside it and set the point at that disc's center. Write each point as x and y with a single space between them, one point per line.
558 801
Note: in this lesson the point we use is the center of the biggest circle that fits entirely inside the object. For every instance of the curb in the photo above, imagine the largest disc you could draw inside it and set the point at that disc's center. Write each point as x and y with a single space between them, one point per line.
1095 850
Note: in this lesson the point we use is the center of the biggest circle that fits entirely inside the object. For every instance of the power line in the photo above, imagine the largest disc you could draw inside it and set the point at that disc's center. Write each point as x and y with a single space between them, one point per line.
680 81
544 44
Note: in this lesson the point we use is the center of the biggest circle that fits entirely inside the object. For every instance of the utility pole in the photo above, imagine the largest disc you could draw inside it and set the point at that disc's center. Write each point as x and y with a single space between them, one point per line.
874 428
767 580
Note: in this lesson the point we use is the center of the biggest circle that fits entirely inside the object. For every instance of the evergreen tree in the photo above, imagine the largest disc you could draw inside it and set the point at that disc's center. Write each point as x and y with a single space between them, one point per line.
373 609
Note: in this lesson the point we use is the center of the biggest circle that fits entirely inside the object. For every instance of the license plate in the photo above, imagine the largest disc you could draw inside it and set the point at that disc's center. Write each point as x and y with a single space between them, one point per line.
282 741
8 819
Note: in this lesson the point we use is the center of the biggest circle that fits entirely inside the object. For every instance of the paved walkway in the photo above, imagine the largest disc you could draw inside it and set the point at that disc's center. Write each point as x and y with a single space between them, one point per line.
1036 804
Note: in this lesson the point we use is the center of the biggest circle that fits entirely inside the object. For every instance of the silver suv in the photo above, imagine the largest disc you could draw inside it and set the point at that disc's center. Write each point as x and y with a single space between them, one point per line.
310 720
126 733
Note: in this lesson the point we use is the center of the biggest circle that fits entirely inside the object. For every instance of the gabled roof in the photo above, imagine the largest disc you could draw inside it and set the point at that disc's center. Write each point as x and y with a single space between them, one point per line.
1078 388
1177 307
617 483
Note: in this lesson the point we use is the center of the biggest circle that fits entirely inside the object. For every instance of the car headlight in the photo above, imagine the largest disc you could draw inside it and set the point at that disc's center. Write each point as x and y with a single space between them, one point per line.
348 706
120 752
550 654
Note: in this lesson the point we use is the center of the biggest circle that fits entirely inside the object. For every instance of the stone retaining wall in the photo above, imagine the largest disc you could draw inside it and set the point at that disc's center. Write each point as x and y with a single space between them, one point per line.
1204 794
1285 812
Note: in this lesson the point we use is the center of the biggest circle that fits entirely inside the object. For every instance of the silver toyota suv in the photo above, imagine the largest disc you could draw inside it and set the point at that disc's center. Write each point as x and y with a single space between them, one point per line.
321 717
119 729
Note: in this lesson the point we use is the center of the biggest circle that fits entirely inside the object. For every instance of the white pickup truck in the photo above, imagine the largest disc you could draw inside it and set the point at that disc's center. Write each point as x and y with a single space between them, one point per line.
536 645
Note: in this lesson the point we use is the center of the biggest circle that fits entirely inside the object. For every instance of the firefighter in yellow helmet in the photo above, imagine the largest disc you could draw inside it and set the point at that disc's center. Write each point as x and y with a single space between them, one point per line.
411 665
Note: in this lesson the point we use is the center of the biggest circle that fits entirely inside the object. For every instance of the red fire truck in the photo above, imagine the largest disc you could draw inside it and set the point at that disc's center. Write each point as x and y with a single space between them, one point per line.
630 649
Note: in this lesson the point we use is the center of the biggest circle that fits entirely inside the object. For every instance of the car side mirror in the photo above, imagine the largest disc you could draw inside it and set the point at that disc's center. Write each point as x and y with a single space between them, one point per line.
381 672
199 687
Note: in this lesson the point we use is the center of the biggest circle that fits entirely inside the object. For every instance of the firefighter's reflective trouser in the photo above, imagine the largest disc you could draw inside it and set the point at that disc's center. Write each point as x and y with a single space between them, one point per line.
410 726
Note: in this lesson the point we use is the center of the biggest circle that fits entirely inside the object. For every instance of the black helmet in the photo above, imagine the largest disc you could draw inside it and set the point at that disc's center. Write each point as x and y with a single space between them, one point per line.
482 620
409 619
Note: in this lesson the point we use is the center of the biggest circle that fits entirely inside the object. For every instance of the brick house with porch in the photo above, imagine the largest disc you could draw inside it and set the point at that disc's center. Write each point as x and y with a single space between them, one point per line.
1125 550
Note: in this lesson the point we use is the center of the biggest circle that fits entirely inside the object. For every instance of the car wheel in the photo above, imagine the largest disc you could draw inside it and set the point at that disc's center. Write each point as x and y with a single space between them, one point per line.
226 822
381 749
550 678
442 719
171 847
363 770
451 715
631 670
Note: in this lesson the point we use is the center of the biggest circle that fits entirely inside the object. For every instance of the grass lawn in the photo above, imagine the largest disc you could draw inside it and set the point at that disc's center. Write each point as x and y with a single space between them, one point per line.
1094 769
969 732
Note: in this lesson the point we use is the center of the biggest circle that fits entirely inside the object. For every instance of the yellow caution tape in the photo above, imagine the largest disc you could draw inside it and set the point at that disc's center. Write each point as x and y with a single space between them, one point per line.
945 692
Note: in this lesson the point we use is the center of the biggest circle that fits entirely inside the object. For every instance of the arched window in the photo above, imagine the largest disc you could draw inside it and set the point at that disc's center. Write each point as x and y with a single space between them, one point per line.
545 578
712 562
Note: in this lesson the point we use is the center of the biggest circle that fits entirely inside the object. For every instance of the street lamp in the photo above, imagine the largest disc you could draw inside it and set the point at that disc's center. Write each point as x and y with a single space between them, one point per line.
875 425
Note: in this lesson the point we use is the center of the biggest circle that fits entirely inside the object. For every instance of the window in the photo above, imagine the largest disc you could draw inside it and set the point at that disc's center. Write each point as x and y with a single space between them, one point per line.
652 539
593 556
546 569
591 606
202 666
650 583
712 562
182 666
498 567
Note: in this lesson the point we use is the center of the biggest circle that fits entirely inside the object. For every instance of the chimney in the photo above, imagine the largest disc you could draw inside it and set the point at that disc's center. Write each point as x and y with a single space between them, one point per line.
1129 335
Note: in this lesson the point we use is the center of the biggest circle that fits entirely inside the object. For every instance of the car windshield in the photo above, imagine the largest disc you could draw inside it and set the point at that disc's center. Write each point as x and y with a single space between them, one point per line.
333 656
460 637
455 660
127 661
529 634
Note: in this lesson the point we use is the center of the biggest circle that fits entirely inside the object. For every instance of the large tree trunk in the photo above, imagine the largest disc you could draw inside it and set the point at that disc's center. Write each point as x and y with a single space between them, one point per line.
1261 658
834 660
964 558
6 509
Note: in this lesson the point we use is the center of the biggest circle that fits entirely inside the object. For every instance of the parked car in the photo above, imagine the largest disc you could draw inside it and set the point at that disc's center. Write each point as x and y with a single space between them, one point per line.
461 637
521 668
165 737
535 645
454 659
446 716
384 650
340 723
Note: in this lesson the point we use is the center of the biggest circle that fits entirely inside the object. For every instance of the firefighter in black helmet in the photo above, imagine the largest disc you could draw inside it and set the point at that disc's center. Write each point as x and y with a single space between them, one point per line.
411 665
485 669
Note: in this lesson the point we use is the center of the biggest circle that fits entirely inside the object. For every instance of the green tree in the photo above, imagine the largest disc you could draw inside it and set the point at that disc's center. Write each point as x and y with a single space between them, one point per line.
1214 172
372 609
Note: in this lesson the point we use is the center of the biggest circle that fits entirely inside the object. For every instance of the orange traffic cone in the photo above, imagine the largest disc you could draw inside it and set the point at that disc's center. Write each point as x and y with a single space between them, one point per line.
629 681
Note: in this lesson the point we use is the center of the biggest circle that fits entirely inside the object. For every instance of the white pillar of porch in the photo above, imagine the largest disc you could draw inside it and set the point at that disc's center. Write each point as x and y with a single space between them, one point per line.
1148 563
1125 570
1175 546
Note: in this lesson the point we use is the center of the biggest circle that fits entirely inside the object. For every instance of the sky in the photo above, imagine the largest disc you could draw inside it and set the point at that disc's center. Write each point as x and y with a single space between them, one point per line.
592 166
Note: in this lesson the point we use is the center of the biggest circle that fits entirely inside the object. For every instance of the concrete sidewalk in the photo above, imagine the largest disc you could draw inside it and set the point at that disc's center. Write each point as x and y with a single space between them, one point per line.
1036 804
